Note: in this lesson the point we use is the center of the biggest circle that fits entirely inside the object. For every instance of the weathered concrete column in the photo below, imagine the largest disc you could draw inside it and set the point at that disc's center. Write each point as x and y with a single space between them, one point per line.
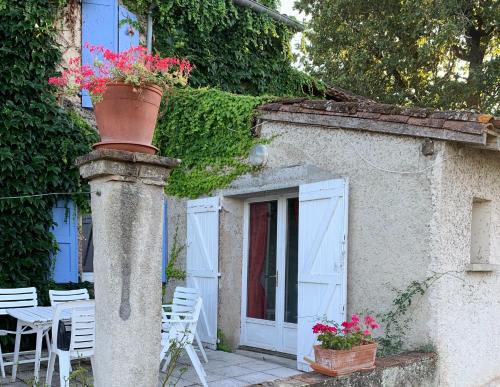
127 216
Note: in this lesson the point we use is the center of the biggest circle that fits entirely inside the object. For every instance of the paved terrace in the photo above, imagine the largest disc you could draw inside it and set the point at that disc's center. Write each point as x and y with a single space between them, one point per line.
223 370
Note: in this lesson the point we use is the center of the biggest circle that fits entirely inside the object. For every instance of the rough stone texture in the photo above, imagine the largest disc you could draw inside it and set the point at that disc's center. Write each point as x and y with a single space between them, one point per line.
389 213
230 267
407 370
403 227
177 233
127 212
465 305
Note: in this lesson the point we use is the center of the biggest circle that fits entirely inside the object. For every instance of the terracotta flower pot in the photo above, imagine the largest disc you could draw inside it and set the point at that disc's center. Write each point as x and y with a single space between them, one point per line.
126 117
361 357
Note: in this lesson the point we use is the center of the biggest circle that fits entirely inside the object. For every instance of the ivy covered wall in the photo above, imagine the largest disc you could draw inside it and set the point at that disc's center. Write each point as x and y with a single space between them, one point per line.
211 132
234 48
38 142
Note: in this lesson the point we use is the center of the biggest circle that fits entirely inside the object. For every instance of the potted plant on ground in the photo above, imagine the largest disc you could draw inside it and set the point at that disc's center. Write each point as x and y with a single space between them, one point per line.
126 89
346 348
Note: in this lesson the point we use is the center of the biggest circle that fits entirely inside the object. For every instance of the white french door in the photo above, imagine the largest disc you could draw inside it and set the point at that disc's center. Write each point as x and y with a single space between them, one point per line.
269 291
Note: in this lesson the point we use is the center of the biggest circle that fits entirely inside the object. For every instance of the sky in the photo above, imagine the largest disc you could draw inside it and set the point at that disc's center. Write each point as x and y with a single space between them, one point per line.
286 7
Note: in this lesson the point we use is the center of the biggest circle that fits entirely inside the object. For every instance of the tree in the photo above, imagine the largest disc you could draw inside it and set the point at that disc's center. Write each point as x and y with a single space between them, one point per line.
233 48
436 53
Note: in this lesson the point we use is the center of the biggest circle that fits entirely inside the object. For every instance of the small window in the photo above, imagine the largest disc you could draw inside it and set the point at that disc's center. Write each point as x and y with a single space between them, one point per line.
480 247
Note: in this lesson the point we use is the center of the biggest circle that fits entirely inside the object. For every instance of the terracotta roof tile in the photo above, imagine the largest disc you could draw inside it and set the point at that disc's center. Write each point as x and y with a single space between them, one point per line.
466 122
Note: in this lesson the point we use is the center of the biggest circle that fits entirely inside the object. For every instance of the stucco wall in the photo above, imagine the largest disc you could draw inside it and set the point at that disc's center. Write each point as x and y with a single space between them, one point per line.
389 213
177 233
465 305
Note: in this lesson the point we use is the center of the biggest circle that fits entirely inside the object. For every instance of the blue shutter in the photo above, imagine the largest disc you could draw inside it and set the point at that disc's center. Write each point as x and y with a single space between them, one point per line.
65 233
99 27
165 242
127 35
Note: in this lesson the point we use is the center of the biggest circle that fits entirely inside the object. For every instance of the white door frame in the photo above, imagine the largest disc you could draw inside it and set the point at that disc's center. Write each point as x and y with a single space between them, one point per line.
279 323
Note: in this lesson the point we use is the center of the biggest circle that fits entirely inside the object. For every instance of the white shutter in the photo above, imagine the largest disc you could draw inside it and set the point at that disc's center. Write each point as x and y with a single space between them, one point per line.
203 261
322 276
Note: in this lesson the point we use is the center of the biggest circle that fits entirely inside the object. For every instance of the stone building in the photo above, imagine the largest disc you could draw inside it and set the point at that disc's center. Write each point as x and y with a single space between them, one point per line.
356 201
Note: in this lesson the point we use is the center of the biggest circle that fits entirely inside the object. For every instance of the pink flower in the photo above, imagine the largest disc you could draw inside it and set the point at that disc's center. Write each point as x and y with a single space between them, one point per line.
355 318
322 328
109 66
366 332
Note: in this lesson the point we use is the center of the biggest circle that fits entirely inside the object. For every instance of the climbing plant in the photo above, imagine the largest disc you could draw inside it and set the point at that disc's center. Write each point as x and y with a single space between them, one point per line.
39 142
210 131
233 48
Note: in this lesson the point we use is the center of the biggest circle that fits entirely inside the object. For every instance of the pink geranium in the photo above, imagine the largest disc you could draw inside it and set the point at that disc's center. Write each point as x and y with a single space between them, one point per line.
348 334
134 66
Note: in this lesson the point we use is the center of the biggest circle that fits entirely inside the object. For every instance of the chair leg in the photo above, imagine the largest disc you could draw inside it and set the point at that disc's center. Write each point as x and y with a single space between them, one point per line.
197 364
47 341
64 366
50 368
200 345
17 344
2 367
92 364
38 352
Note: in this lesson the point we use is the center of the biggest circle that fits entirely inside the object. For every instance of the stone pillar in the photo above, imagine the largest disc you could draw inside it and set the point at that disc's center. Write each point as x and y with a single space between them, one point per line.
127 216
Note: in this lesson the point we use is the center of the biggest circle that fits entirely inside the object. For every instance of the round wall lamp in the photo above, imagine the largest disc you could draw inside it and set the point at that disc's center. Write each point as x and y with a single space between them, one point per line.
258 155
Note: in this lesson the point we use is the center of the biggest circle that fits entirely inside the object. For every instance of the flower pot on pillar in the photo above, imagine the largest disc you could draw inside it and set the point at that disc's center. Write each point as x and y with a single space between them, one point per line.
126 90
126 117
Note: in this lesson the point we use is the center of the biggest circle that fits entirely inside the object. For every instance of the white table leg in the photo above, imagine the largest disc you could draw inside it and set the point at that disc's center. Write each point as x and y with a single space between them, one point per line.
38 351
17 345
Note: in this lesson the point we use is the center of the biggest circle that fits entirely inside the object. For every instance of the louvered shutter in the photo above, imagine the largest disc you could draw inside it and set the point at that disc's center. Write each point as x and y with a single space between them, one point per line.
65 233
203 261
322 277
128 36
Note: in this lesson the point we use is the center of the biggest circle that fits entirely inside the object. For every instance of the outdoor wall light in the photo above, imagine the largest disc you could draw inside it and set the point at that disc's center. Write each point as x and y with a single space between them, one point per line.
258 155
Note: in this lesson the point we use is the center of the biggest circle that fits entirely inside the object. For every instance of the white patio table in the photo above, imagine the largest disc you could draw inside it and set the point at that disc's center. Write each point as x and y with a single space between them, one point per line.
38 318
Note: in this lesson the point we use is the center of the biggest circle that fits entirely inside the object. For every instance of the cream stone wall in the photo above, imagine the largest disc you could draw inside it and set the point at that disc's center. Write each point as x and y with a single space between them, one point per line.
465 305
389 216
389 212
69 27
409 219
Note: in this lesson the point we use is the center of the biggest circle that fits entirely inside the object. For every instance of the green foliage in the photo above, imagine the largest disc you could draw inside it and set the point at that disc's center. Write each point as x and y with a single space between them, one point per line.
340 342
396 321
210 131
222 344
233 48
39 142
442 54
176 249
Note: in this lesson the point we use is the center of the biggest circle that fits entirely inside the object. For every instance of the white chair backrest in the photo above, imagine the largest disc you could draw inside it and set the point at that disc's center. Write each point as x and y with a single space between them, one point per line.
184 331
82 315
58 296
184 299
17 298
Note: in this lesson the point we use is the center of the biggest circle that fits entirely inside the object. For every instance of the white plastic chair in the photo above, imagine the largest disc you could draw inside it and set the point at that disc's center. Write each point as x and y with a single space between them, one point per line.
181 332
58 296
183 302
82 338
19 298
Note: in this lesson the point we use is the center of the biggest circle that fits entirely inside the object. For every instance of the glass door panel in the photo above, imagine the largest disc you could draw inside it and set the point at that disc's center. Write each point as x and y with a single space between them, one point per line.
291 260
261 280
